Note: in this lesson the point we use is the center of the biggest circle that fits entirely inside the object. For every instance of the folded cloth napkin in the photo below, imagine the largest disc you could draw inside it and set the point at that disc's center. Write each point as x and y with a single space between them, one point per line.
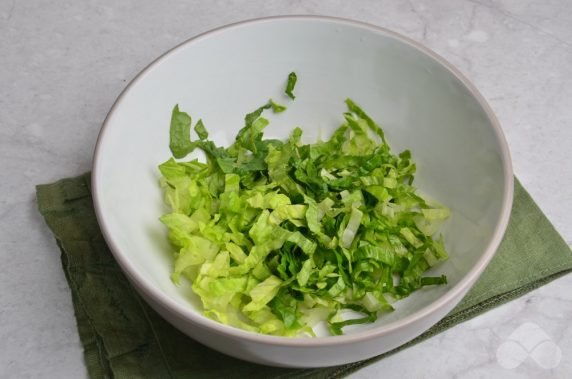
124 338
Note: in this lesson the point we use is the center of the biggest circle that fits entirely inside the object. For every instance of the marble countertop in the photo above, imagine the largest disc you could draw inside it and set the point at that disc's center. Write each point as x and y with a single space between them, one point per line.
63 63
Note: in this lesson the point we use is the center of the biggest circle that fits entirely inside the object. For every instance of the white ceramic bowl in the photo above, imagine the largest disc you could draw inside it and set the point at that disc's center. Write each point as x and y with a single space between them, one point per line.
421 101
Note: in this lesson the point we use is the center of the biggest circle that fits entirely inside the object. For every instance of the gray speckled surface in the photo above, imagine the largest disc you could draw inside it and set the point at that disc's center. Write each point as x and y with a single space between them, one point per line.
63 63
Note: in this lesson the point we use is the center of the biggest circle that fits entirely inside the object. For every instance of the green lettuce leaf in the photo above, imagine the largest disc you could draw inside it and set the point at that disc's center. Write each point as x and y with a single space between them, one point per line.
180 138
292 78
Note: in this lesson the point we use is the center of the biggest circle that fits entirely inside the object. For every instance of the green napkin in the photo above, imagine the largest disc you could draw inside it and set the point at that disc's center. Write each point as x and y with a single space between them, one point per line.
124 338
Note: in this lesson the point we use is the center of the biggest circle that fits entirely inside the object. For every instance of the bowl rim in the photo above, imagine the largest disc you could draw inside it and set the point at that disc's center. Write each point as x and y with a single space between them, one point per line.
141 283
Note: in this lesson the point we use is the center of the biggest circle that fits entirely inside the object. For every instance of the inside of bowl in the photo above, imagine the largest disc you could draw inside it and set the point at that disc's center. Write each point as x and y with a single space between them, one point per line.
222 76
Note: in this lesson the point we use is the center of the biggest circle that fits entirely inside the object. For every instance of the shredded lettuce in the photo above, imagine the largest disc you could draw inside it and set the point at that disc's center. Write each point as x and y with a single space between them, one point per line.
290 84
277 236
276 108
